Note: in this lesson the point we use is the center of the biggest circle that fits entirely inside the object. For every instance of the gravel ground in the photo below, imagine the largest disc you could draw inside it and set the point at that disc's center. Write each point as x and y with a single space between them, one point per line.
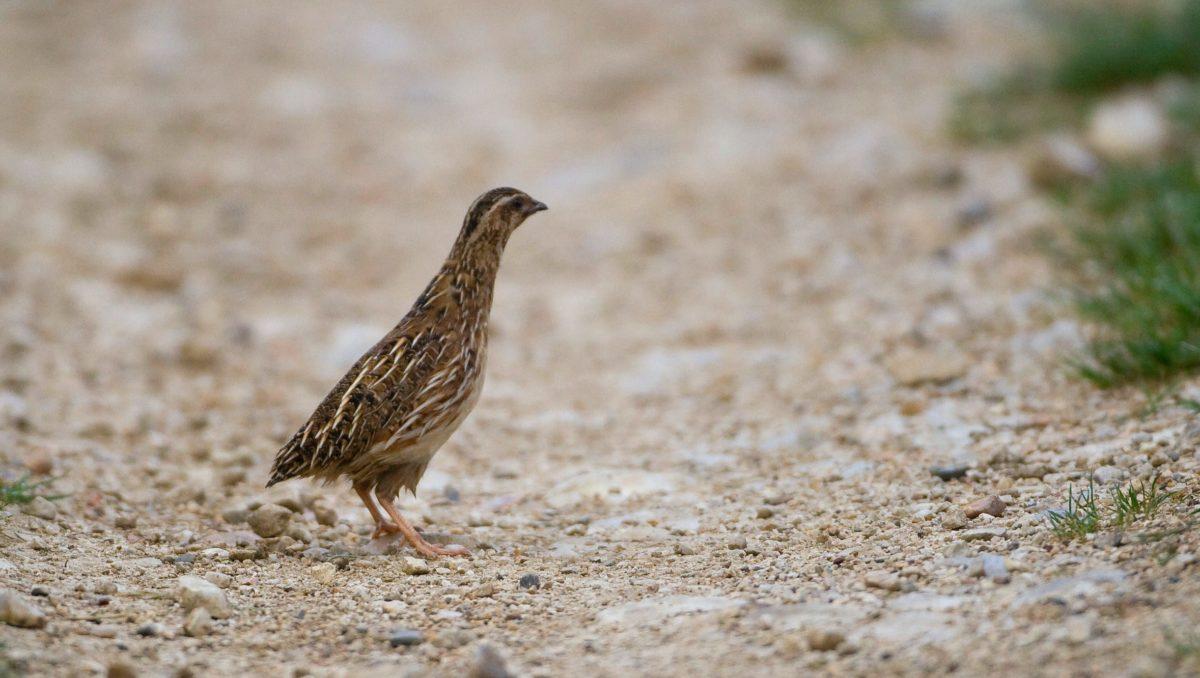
768 297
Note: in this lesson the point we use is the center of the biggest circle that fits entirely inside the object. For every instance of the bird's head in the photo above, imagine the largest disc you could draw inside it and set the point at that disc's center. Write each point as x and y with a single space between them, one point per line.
496 214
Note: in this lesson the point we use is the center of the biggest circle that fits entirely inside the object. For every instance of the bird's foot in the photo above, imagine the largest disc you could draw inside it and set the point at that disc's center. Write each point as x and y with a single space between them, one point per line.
433 550
384 528
414 538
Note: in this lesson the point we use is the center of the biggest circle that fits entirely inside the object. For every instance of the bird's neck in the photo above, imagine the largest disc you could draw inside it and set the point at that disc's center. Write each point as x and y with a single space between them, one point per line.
463 287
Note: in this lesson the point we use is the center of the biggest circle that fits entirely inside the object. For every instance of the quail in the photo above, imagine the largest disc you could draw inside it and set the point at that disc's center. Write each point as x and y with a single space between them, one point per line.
383 422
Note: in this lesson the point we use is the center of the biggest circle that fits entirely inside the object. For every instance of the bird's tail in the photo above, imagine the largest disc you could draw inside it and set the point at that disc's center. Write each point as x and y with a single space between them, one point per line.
288 463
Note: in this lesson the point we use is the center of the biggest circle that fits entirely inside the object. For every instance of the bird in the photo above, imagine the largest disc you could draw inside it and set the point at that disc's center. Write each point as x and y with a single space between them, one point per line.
383 422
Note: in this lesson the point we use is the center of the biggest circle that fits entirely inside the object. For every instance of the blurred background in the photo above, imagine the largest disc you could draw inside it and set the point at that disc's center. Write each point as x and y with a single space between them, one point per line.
208 210
798 254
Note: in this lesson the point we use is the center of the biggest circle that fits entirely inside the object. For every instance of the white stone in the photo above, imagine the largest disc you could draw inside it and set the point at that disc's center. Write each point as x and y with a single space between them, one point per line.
415 566
193 592
1131 128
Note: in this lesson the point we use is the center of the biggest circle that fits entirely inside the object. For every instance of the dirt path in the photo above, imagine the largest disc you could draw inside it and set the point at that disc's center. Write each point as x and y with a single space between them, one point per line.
768 296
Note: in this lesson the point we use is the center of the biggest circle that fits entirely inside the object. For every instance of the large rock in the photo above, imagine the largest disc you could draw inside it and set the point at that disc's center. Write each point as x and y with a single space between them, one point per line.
16 611
270 520
194 592
1131 128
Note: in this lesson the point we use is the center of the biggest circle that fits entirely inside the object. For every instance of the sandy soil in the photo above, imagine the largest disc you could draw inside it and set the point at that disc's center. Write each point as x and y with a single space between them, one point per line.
768 297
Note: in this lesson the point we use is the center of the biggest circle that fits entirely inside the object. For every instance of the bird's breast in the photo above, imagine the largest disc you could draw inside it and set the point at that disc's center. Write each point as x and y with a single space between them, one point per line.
438 414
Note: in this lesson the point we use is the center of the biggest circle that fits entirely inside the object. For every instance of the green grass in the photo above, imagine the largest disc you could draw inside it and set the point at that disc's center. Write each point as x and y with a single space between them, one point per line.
1081 517
1138 250
22 491
1184 108
1139 501
1105 46
1094 49
1084 514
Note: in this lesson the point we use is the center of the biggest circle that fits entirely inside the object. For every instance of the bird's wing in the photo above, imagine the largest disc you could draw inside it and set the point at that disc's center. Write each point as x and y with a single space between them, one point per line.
379 390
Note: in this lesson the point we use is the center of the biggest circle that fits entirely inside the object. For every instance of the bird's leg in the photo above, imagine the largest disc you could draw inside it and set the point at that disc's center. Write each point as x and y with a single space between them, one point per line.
415 539
382 525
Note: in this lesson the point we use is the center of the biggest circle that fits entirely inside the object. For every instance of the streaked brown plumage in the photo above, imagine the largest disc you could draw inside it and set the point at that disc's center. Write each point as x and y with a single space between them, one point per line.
384 421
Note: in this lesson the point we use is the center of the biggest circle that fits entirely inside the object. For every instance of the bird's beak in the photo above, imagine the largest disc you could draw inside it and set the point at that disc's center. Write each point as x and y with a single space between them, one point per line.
535 208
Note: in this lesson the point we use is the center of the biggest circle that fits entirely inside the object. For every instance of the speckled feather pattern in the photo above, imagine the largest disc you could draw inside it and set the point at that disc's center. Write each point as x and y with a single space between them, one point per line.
386 418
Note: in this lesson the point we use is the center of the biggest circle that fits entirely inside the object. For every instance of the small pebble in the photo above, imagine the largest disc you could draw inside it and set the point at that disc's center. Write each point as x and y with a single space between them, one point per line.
194 592
324 573
292 504
824 640
151 630
991 505
883 580
974 213
16 611
41 507
994 569
406 638
41 464
414 566
949 472
270 520
198 623
120 669
954 519
219 578
488 664
484 590
1108 475
300 533
983 533
324 514
452 639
